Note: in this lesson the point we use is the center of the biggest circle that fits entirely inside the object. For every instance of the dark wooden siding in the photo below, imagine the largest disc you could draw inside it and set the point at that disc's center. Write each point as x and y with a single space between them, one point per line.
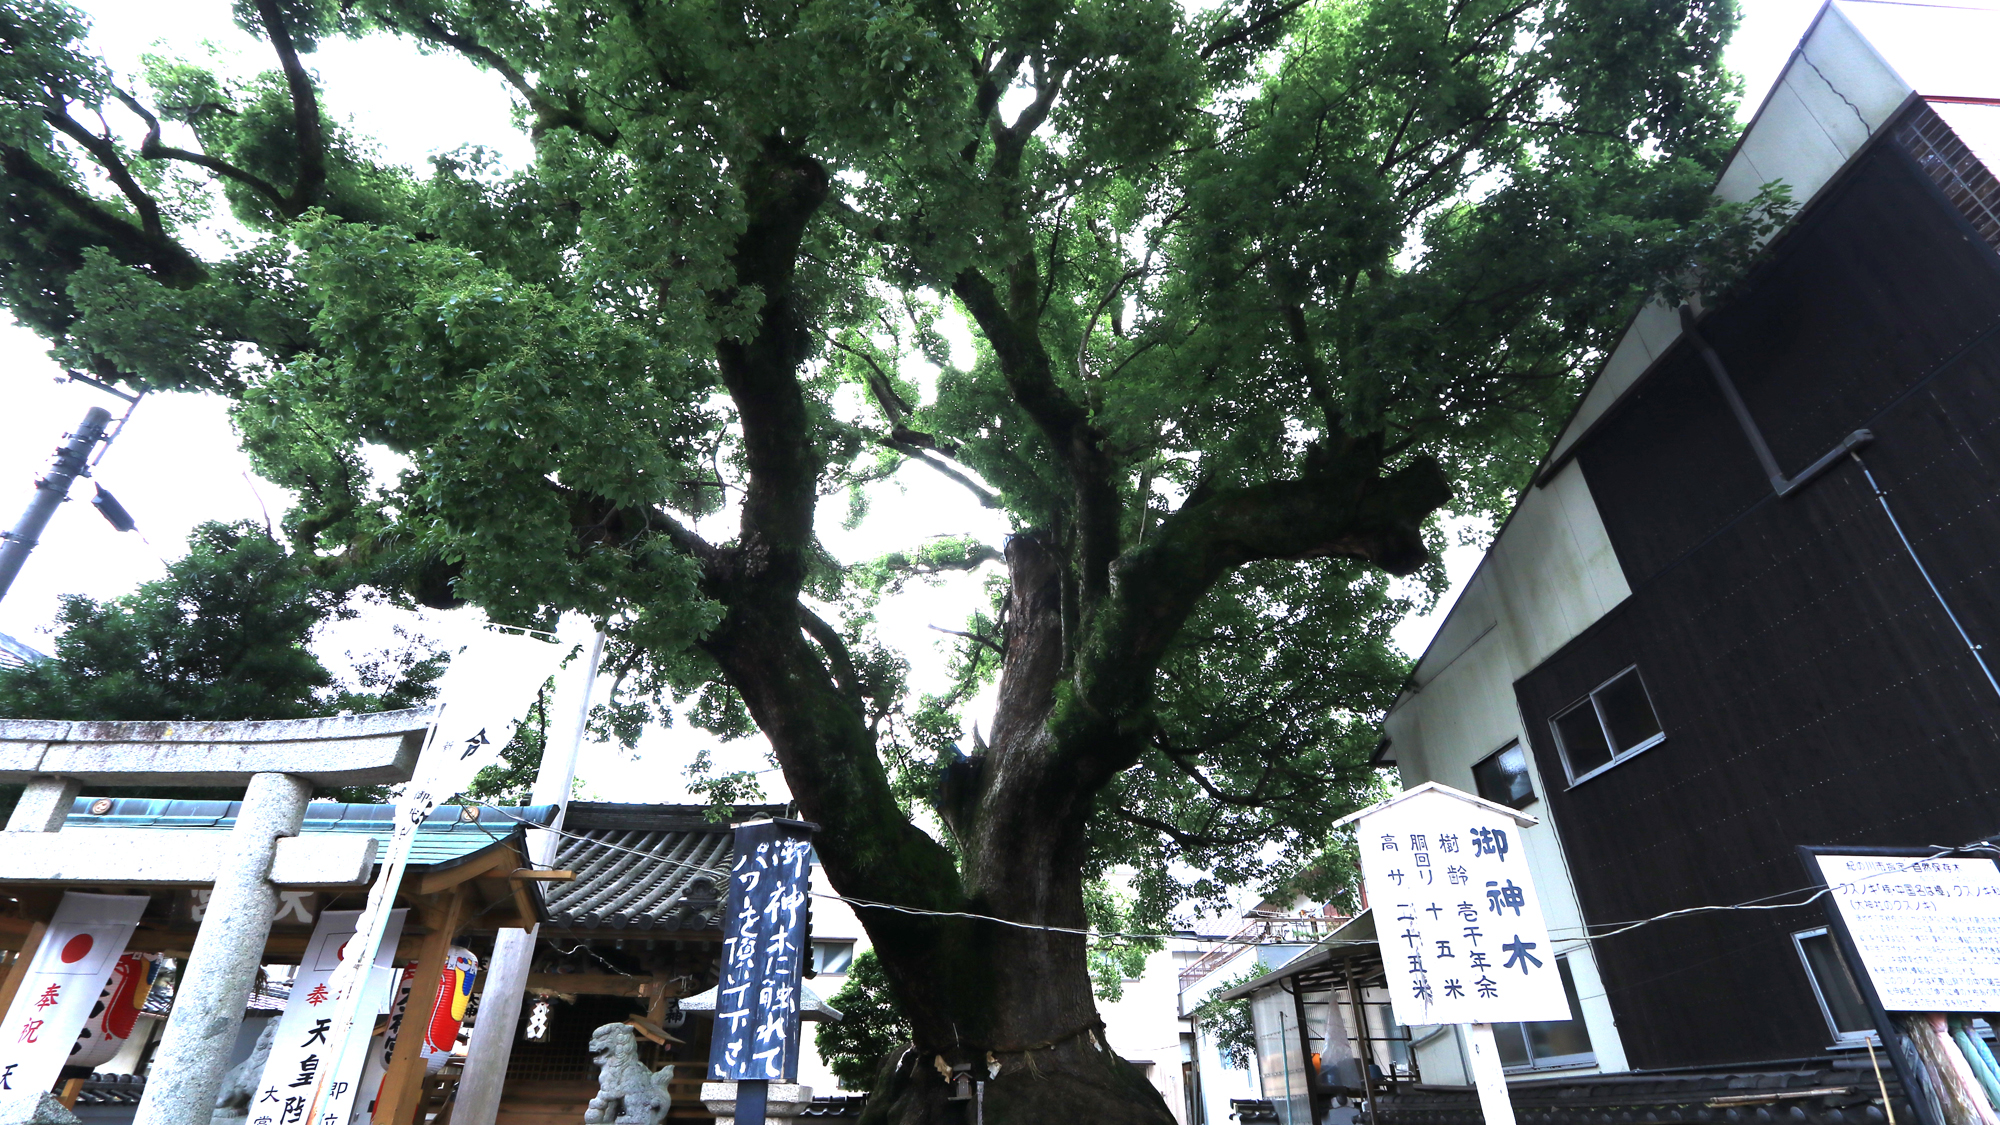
1811 689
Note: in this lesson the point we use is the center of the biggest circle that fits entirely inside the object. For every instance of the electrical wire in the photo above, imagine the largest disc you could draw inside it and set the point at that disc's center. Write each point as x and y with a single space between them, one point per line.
1761 903
871 904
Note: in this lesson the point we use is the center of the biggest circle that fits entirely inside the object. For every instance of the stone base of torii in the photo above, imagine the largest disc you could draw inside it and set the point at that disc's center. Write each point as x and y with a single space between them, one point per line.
279 763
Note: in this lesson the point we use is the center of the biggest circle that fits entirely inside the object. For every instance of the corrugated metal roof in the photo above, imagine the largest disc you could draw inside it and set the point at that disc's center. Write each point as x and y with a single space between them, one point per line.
445 839
645 867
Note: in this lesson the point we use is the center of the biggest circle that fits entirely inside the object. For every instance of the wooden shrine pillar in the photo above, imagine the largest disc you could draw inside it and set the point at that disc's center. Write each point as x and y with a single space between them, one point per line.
403 1084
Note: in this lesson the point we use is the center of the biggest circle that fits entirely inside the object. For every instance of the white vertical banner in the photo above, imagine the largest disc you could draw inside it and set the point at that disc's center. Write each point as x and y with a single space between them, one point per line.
485 690
489 686
301 1048
78 951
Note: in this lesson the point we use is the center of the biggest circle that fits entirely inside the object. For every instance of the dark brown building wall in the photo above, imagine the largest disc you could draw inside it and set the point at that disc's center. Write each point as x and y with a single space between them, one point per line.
1810 687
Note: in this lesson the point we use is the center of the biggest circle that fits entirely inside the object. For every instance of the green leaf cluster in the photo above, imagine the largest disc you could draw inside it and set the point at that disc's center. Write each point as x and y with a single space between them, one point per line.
870 1031
1257 292
223 636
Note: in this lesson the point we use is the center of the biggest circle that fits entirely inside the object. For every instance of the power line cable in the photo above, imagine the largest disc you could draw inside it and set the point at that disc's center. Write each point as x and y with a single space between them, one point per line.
1760 903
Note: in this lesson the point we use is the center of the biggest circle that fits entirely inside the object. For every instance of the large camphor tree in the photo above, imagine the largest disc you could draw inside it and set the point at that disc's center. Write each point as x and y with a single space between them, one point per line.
1256 289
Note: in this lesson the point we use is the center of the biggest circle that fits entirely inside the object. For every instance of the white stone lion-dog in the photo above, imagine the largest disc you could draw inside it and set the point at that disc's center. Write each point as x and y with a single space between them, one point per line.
627 1092
232 1102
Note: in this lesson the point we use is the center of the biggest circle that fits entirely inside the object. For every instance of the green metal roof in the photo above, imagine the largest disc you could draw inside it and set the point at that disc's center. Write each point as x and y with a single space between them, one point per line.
445 840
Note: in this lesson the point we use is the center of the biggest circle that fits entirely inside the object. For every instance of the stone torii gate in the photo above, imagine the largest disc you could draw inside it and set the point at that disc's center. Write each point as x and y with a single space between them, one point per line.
279 762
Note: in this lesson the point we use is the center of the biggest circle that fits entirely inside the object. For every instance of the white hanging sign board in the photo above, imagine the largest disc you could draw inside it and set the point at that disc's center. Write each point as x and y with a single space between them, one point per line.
1460 924
77 954
1928 930
302 1046
485 691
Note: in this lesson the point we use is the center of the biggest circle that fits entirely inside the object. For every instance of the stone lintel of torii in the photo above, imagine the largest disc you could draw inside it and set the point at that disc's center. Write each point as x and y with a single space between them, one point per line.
278 762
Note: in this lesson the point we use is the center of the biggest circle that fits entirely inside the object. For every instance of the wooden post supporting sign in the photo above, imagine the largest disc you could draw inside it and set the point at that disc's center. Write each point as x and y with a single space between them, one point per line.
403 1085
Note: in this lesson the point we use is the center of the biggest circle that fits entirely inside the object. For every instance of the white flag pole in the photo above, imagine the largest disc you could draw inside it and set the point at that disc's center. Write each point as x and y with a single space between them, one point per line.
483 693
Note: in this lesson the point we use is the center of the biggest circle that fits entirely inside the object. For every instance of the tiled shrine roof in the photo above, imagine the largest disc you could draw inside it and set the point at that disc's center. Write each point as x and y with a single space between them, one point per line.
644 867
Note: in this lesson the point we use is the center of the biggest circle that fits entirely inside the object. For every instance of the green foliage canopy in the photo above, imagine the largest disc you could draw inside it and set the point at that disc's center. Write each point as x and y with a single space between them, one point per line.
869 1032
1256 290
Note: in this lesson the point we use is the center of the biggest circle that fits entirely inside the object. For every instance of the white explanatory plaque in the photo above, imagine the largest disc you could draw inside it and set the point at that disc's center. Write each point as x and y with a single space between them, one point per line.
1927 930
1460 924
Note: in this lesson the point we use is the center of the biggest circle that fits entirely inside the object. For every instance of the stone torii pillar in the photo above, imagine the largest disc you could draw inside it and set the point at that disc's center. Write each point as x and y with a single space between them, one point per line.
279 763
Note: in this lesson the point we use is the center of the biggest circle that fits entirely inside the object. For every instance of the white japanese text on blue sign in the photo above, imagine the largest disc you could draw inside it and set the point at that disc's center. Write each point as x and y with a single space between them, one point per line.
757 1003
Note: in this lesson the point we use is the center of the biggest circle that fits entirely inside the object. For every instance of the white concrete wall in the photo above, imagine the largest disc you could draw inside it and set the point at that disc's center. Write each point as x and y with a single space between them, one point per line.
1144 1025
1547 578
1219 1081
1833 95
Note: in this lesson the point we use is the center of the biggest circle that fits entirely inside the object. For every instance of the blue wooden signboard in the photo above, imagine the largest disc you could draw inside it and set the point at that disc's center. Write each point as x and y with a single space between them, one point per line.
757 1003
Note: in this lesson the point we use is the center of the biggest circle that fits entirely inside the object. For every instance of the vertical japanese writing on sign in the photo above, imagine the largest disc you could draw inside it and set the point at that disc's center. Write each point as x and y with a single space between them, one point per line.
757 1002
1462 935
303 1045
60 987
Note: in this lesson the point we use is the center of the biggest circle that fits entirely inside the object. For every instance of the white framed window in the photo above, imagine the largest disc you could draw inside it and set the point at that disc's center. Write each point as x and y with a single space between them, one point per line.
832 957
1615 721
1502 777
1833 986
1547 1044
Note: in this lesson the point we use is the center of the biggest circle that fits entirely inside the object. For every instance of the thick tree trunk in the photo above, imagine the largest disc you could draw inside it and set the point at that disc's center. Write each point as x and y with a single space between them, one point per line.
985 945
1012 1005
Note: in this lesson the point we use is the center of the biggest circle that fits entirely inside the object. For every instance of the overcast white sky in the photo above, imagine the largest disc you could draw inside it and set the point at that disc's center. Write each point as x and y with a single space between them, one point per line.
178 463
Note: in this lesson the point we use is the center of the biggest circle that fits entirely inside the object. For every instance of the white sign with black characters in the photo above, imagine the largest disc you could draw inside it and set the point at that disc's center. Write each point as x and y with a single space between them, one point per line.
1461 929
1928 930
302 1047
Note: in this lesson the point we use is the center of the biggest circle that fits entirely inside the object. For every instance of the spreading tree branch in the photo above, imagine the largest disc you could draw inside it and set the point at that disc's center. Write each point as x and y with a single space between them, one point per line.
980 638
549 114
152 149
169 260
837 657
308 133
1250 31
1346 507
102 150
1077 443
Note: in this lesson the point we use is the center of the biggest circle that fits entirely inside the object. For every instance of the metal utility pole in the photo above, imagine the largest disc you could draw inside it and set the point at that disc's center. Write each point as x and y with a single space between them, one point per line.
50 491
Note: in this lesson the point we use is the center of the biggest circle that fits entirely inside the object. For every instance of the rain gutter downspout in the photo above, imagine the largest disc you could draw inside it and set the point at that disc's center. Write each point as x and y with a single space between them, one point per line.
1784 486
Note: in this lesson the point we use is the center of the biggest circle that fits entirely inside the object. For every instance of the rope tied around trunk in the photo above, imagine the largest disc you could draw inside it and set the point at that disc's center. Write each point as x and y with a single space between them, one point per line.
1027 1052
1096 1023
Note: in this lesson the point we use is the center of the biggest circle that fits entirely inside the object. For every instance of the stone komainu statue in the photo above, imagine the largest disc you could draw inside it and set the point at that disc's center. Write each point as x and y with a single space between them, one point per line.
627 1092
240 1084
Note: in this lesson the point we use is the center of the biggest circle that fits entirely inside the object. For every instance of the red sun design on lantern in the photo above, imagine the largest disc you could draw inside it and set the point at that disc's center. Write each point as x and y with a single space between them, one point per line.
77 948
